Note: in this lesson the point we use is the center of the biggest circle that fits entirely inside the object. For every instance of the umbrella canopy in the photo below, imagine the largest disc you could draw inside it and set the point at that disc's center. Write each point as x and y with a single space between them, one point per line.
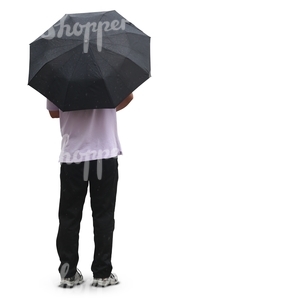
89 61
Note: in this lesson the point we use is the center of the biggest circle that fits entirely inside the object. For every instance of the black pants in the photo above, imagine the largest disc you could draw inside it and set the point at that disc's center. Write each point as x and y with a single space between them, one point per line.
102 178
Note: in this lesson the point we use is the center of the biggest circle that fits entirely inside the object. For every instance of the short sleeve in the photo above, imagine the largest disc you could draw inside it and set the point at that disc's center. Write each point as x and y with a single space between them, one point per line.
51 106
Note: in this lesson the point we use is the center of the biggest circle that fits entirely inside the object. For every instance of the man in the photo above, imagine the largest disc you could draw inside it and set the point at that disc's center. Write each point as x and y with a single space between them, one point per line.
89 157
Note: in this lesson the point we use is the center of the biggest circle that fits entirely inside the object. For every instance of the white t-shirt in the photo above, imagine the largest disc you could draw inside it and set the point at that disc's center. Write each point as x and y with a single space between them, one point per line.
87 134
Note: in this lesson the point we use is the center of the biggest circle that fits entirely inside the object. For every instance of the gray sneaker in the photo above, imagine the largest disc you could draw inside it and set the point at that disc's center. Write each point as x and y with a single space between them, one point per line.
103 282
70 282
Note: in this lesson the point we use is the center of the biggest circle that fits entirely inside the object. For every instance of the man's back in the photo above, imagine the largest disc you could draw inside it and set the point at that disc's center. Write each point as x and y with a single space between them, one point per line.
88 134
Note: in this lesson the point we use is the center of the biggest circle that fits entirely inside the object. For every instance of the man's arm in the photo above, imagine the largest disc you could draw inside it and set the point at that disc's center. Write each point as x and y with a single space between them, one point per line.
125 102
54 113
53 109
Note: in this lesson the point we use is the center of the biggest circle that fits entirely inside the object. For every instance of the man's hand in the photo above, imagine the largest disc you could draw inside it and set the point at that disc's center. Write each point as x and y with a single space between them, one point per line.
125 102
54 113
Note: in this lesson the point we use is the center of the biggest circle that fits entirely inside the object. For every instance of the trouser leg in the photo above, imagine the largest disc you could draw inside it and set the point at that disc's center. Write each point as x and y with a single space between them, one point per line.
103 192
72 197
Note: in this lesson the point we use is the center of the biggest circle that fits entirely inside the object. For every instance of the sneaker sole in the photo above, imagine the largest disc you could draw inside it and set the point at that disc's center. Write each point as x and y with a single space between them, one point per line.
96 284
65 285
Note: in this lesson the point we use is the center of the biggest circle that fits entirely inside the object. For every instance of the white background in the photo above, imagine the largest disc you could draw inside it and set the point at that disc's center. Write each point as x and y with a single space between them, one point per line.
208 198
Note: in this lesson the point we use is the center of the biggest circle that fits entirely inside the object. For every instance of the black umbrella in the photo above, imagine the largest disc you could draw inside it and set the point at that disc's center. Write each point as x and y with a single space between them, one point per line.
89 60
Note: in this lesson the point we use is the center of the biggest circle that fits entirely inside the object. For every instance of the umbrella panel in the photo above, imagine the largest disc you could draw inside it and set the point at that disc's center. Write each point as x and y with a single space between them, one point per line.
73 79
